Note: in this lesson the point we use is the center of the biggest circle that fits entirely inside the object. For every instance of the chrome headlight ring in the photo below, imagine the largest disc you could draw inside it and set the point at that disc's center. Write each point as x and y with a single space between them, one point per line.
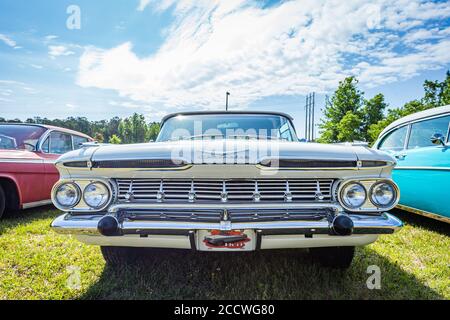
96 195
395 194
57 188
345 203
81 184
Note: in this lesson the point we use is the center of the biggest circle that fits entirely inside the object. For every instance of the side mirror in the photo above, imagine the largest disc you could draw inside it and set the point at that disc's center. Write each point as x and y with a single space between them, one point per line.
438 139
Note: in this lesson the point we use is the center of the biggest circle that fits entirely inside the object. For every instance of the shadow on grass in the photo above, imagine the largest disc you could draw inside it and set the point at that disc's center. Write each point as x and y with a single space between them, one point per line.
422 222
25 217
286 274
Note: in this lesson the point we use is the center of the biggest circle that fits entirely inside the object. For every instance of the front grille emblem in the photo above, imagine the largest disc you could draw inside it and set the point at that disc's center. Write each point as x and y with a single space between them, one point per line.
129 196
256 194
224 194
319 196
191 195
288 194
160 195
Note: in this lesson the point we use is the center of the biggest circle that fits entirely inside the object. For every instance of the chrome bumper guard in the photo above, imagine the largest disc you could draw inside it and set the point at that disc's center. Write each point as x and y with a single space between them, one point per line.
79 224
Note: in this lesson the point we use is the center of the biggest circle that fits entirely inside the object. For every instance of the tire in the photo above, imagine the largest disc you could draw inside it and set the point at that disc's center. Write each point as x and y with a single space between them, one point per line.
334 257
119 256
2 202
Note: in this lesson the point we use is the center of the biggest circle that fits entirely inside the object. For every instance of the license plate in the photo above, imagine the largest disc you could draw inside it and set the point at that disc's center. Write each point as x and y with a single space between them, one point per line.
233 240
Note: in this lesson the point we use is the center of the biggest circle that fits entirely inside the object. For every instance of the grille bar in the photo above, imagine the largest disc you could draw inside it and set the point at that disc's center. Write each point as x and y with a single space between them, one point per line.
234 215
261 190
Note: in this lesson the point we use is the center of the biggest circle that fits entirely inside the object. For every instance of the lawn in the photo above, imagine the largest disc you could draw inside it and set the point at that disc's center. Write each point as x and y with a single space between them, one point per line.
35 263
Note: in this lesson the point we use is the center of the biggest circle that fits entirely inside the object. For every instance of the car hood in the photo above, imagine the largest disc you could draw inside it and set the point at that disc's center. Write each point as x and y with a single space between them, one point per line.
18 155
253 150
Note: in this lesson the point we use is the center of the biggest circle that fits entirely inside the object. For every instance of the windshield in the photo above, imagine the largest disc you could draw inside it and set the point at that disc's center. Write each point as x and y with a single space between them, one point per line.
232 126
13 137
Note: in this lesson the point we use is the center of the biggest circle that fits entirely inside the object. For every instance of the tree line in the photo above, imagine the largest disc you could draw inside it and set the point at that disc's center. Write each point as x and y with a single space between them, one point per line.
133 129
349 116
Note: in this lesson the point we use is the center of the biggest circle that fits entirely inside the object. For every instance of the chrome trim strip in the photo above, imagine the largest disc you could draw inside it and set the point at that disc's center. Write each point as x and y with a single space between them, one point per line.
223 205
389 164
423 168
31 161
87 225
36 204
424 213
261 167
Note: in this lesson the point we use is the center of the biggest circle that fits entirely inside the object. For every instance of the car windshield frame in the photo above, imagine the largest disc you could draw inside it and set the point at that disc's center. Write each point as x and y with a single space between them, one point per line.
20 136
227 126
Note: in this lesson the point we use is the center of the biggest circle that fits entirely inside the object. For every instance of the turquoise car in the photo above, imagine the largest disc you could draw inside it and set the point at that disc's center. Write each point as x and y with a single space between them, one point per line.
420 143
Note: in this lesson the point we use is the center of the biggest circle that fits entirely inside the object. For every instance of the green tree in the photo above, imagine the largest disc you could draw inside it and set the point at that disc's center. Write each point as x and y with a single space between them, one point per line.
153 131
99 137
346 99
437 93
133 129
372 113
394 114
115 139
349 127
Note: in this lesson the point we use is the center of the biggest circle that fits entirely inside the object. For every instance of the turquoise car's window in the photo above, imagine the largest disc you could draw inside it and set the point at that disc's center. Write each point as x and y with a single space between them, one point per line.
422 131
394 141
232 126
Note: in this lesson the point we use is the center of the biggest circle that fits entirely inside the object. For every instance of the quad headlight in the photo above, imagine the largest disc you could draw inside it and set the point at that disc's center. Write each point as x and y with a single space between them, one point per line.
368 195
67 195
383 194
96 195
353 195
82 195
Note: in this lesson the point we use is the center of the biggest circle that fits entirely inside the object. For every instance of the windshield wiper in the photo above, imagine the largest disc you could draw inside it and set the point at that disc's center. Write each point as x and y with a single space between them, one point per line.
247 136
244 136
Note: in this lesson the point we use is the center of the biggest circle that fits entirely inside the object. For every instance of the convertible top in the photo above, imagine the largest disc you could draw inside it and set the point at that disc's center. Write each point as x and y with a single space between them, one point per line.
190 113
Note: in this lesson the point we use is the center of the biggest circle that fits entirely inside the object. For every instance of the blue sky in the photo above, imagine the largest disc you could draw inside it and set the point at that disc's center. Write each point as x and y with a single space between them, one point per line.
157 57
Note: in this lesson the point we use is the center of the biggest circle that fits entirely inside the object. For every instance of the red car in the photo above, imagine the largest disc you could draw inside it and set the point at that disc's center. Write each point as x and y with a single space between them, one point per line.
27 156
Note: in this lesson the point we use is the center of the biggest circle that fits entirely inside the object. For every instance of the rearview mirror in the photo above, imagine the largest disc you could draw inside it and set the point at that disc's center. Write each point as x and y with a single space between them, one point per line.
438 139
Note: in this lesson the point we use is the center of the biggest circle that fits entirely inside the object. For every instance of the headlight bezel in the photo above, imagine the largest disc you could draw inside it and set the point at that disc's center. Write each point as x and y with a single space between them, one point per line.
103 205
368 183
393 202
55 198
341 195
81 206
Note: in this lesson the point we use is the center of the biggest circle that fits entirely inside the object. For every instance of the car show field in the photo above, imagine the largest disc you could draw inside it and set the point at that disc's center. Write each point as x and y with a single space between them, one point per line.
37 263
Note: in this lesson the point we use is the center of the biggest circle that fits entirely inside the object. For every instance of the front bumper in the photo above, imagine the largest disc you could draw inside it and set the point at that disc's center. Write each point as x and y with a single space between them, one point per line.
182 234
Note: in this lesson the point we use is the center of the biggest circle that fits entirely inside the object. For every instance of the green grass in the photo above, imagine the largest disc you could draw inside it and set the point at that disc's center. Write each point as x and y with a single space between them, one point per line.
415 264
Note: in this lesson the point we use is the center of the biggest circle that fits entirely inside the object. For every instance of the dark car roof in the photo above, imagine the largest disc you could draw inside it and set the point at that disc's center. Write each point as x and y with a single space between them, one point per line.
190 113
48 127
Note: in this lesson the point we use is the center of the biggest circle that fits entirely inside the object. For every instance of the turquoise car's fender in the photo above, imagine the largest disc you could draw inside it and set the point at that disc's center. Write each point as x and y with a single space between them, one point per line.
423 176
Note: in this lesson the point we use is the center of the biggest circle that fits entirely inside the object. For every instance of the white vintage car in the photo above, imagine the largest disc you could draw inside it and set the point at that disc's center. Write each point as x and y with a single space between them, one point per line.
226 181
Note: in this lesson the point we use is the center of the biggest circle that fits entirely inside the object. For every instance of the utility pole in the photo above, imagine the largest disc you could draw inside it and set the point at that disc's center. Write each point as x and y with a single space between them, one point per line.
310 116
226 104
306 117
313 106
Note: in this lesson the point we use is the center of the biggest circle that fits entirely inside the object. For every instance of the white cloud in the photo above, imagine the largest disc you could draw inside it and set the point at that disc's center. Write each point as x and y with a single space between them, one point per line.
57 51
143 4
71 106
9 42
291 48
36 66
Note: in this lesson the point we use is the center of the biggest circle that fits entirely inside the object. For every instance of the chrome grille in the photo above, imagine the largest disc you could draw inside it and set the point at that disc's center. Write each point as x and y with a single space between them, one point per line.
235 190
